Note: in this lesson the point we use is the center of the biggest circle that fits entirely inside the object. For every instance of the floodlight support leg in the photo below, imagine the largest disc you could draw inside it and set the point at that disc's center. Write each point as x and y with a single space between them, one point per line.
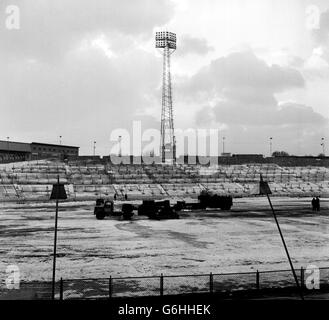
286 249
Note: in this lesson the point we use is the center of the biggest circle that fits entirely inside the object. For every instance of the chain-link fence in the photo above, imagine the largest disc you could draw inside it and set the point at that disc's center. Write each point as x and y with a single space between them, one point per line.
34 290
107 288
235 281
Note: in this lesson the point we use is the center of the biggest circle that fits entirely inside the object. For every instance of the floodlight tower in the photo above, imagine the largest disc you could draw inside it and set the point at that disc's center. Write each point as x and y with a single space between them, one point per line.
167 41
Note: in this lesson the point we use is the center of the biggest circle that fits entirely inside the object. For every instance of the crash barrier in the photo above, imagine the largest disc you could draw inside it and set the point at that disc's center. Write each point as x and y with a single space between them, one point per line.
12 192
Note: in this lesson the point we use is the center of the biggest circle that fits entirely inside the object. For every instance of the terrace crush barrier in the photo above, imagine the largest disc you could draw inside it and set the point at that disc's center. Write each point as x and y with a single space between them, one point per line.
31 180
116 287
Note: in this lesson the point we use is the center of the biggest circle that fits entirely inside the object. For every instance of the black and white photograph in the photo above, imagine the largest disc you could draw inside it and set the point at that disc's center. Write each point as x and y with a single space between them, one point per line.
154 152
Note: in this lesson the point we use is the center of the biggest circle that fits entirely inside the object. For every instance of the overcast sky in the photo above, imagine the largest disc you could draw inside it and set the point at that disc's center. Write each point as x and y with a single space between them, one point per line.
252 68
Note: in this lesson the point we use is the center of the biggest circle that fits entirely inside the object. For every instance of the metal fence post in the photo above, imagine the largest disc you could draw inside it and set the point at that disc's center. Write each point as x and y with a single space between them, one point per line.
110 287
161 285
257 280
61 289
302 277
211 283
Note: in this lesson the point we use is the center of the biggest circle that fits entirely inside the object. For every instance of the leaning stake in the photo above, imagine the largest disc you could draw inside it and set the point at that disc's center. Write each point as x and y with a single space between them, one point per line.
265 189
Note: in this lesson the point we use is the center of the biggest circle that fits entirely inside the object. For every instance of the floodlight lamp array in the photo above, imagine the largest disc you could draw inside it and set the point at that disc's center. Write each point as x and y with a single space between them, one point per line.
165 39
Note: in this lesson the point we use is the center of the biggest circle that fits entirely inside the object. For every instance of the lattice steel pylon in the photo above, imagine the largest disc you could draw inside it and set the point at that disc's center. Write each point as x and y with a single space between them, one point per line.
167 41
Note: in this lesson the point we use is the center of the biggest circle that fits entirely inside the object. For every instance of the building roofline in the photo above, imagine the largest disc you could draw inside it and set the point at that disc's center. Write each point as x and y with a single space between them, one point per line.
54 145
10 141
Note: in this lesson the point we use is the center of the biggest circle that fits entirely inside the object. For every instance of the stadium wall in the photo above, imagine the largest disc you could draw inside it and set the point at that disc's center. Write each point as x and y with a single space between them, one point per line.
235 159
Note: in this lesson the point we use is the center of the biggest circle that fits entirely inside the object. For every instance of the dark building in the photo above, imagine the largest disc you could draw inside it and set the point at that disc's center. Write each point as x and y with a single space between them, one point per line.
248 157
14 151
45 150
18 151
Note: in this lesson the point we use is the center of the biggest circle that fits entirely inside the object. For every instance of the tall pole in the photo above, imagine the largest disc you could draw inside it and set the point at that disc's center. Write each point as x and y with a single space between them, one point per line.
323 146
120 150
223 145
55 246
8 149
94 148
286 249
271 146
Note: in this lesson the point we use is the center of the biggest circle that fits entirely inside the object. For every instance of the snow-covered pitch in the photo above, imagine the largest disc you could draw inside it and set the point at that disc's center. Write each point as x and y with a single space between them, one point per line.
243 239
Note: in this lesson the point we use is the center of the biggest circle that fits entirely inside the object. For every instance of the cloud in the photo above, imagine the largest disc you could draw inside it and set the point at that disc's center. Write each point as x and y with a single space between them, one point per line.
296 138
241 90
294 113
242 87
81 69
205 116
85 96
244 71
231 112
192 45
75 68
48 29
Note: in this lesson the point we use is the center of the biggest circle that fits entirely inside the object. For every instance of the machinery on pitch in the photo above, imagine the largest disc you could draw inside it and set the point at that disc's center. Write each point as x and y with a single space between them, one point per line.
152 209
105 208
206 200
162 209
158 210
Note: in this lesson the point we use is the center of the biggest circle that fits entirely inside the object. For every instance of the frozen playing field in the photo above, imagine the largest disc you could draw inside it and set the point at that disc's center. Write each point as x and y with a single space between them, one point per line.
244 239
